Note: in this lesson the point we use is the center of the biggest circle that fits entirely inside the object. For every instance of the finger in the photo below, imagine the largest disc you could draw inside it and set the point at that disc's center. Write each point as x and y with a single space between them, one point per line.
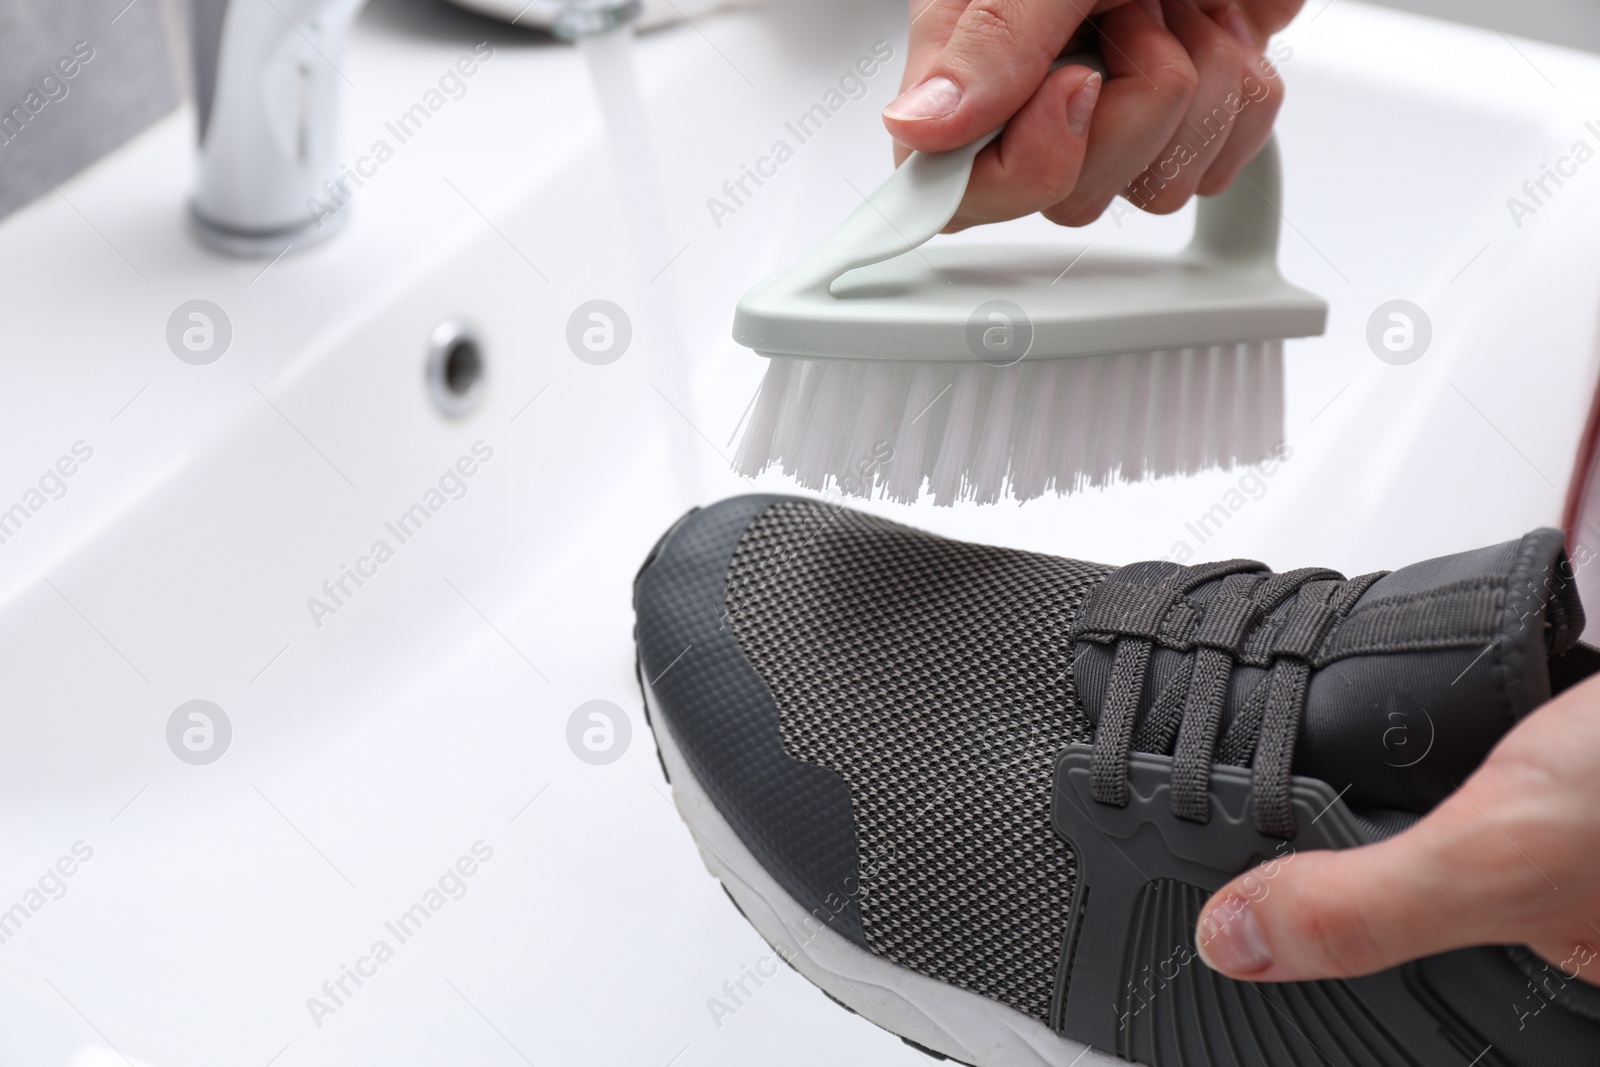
1037 160
1263 17
1150 85
1493 864
1084 39
1344 914
932 23
1263 93
1221 61
994 60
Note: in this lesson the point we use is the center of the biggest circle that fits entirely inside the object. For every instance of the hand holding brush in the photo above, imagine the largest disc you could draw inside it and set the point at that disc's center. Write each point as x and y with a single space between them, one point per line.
1187 89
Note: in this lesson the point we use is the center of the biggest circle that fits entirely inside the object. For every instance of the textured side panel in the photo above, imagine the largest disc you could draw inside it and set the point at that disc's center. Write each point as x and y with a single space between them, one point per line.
935 678
1131 982
1173 1010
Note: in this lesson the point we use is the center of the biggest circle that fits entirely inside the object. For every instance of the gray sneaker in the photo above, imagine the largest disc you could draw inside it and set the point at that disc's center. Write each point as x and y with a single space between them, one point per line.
979 795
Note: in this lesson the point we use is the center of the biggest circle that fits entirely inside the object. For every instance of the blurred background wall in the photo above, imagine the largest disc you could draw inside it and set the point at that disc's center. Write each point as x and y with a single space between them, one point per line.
1575 23
53 125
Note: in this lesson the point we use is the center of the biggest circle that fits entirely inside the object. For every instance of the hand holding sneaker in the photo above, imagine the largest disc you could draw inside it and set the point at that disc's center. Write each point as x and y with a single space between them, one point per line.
981 796
1508 859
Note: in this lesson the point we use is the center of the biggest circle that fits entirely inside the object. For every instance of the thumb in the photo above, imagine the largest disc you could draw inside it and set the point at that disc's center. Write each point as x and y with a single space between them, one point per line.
1341 914
974 63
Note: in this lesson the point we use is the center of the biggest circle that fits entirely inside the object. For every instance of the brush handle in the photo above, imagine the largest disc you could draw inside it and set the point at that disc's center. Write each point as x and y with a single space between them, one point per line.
917 201
1239 226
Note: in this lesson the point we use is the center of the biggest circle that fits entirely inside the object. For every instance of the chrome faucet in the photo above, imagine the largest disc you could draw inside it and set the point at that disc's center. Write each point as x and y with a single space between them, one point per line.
266 80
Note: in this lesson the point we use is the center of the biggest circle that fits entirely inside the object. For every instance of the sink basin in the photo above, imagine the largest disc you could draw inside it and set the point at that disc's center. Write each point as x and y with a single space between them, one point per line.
388 730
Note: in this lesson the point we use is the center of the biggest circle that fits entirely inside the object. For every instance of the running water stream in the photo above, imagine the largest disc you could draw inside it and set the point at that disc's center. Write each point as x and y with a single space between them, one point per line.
610 58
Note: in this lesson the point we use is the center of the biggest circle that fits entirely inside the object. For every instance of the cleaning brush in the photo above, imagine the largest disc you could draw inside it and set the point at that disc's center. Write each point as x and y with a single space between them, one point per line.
978 371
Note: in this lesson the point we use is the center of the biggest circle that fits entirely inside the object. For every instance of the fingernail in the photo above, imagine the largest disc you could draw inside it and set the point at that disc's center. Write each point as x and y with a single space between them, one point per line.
1239 26
1080 105
933 99
1230 939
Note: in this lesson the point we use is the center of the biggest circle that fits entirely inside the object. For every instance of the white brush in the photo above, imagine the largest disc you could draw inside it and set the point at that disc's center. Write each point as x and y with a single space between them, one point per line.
977 371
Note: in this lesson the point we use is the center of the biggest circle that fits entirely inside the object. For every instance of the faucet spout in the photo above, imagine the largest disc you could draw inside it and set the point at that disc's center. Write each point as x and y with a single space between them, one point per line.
573 20
267 86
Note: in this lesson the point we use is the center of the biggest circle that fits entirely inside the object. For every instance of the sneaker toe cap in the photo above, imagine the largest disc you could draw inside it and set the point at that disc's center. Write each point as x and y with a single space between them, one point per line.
794 817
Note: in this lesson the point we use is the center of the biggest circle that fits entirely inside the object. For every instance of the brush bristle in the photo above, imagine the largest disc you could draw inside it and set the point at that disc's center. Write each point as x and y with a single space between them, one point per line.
970 431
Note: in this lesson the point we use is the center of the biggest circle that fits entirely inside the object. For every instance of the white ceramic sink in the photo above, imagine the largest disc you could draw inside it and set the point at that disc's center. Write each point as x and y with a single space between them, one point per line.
429 712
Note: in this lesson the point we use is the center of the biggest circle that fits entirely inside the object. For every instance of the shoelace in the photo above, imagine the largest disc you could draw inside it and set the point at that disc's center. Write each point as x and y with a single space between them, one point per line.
1276 621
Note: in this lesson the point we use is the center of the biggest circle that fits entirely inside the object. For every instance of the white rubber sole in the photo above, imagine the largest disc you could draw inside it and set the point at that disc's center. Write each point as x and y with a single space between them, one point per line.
941 1018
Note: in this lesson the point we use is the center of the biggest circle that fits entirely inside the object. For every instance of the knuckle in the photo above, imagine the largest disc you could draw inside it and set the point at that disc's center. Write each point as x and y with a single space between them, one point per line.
1052 185
1166 185
1276 91
1177 77
1087 210
1224 55
1276 14
1217 180
1262 91
1074 212
993 21
1165 201
1151 193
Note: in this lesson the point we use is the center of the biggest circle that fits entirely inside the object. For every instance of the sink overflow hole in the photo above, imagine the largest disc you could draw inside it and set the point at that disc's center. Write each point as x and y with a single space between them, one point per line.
462 367
455 369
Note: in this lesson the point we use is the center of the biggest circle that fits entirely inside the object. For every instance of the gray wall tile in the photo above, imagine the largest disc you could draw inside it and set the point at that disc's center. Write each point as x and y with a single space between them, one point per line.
52 126
1574 23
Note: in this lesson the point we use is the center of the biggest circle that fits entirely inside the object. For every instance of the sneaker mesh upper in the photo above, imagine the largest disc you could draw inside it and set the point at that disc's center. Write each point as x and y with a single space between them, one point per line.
935 678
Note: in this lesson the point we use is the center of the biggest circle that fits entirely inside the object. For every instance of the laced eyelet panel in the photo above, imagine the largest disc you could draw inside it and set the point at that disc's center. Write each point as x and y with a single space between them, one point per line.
1278 621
